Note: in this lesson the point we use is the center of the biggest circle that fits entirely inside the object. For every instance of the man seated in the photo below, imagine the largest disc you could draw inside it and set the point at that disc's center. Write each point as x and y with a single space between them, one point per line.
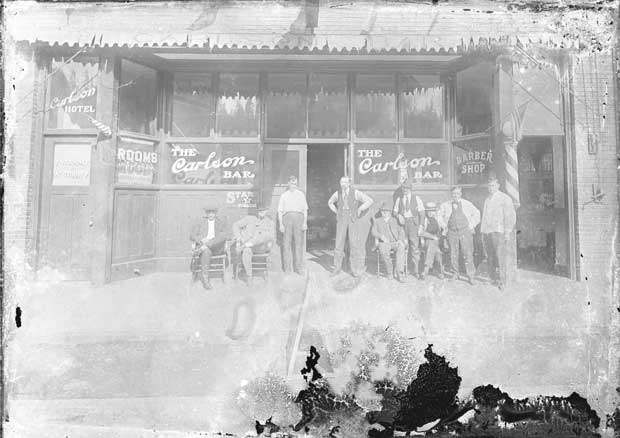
253 234
431 235
208 239
391 236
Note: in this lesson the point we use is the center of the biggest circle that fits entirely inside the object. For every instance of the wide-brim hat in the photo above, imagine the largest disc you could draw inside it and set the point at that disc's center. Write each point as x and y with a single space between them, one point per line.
407 185
384 207
210 208
430 206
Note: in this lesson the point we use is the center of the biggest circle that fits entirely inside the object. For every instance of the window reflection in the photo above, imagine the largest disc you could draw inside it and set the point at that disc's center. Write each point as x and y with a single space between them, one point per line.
192 106
473 99
237 105
375 106
328 106
422 106
137 98
72 97
286 105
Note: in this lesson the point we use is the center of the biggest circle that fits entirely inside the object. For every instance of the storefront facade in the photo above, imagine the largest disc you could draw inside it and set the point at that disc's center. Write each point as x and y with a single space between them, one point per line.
131 143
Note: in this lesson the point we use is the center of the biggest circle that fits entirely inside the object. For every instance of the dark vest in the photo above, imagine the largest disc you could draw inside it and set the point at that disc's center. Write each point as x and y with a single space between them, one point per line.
413 206
432 226
347 208
458 220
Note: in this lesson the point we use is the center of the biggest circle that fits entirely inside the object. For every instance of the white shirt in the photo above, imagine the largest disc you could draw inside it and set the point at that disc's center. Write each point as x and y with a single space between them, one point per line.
211 229
292 201
419 205
498 215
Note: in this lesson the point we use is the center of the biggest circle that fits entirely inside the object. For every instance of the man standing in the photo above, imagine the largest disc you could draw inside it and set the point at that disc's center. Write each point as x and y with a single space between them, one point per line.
459 218
431 233
410 212
498 221
253 234
293 218
208 239
391 237
351 204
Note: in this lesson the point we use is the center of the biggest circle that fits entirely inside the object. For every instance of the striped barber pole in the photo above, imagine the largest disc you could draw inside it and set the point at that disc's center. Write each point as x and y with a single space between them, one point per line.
510 148
103 128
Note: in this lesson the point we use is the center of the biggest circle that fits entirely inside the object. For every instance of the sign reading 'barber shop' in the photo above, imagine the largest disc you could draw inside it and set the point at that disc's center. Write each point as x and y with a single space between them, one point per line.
212 164
386 164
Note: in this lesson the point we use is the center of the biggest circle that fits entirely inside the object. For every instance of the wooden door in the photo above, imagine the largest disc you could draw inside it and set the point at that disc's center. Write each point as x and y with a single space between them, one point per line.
65 237
281 162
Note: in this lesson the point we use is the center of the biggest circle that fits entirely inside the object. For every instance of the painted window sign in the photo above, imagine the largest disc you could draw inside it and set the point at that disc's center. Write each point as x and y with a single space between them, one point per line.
389 164
72 96
473 159
136 162
245 199
212 163
71 164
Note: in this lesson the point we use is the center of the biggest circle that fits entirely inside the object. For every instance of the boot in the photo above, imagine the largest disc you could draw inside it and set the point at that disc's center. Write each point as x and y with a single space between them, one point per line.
206 283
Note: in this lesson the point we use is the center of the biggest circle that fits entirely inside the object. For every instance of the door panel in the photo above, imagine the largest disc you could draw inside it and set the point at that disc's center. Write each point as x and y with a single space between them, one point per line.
281 162
65 236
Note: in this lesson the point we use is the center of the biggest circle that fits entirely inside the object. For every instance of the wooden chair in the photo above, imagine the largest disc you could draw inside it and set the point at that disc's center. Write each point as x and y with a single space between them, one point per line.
393 256
260 264
219 264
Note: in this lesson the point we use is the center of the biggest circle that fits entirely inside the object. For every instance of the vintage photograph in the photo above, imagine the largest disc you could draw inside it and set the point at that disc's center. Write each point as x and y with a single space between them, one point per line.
311 218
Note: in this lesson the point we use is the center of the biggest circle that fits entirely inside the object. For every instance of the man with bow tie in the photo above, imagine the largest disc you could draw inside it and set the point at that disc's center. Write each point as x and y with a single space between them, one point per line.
349 204
409 209
459 218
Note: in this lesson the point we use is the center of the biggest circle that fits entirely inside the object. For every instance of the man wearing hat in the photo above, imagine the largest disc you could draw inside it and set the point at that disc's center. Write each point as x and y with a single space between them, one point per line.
348 204
253 234
293 218
498 221
390 236
409 210
459 218
430 236
208 239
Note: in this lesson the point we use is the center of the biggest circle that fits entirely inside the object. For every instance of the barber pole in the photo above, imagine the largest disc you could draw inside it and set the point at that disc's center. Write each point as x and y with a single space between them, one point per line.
103 128
513 133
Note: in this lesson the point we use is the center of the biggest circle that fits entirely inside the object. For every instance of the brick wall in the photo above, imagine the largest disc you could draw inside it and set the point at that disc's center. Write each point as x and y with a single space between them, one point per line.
21 95
594 109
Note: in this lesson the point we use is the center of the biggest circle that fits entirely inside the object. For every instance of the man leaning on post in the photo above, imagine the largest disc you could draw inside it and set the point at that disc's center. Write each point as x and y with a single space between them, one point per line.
293 218
348 204
498 221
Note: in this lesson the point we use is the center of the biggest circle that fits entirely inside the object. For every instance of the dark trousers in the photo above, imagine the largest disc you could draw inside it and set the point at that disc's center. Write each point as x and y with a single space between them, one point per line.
201 259
293 241
495 247
344 226
464 239
433 253
384 252
411 233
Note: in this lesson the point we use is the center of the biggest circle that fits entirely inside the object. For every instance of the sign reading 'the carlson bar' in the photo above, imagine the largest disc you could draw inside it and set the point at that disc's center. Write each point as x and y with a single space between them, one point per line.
212 163
386 164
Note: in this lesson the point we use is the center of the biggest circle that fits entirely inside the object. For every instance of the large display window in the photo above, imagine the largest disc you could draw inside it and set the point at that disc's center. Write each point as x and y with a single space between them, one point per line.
211 163
72 94
388 164
138 92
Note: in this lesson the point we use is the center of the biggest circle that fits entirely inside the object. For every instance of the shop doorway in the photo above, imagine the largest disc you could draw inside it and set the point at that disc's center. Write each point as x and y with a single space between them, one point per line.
543 219
65 233
325 167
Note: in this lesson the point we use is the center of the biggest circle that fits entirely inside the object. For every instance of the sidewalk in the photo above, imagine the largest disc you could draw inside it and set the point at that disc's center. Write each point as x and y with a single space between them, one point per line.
157 352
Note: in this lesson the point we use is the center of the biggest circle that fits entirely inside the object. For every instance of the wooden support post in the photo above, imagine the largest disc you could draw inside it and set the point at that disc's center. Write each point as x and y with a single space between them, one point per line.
102 175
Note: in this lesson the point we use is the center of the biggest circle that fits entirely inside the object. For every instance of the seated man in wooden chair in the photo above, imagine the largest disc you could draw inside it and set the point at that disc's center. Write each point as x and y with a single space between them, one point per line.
208 239
391 237
253 235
